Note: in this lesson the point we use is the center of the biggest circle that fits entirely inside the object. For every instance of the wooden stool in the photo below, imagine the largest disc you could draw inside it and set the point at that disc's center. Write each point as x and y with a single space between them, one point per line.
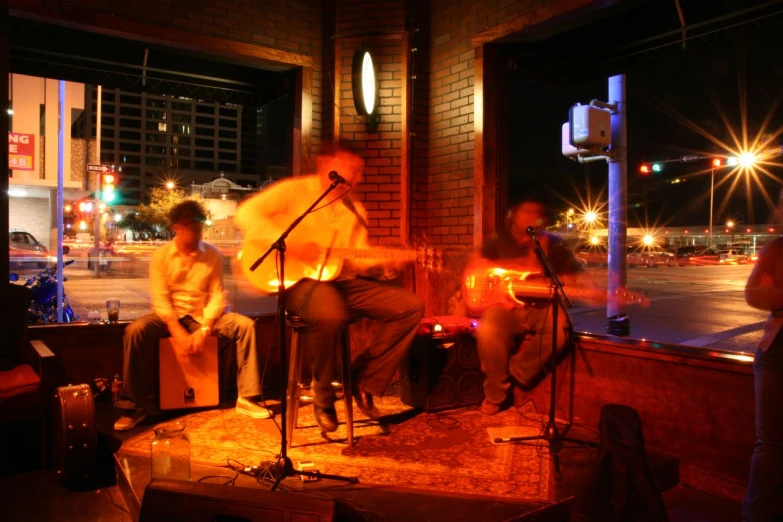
190 382
295 375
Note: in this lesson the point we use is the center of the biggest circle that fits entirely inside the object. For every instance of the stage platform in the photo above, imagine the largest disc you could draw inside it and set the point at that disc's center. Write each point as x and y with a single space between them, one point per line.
105 500
414 466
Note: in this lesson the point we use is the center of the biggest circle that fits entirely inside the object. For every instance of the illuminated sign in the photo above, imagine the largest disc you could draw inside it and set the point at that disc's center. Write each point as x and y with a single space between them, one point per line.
21 151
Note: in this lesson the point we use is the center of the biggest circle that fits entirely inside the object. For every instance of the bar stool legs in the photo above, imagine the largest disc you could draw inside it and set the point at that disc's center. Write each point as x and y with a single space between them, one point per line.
347 388
295 377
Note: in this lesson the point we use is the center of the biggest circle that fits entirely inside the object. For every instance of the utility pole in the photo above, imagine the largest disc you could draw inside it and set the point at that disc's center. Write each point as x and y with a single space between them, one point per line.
61 125
618 322
96 227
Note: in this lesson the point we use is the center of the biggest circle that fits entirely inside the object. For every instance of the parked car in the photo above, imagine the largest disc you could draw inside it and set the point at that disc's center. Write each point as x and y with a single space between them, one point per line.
684 253
733 256
25 250
708 256
649 256
592 255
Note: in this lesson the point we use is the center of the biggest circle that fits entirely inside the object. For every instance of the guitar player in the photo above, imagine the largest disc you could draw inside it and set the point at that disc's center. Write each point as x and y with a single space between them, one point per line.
329 301
514 338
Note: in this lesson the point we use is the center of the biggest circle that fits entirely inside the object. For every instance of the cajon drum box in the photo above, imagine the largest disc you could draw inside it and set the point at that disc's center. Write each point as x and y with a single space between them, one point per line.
188 382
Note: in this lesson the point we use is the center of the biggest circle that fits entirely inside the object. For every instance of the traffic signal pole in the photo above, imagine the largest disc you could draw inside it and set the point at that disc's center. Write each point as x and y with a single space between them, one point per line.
618 321
96 207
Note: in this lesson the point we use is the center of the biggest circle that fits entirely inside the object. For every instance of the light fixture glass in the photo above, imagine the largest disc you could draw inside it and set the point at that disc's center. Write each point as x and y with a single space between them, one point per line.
365 88
368 83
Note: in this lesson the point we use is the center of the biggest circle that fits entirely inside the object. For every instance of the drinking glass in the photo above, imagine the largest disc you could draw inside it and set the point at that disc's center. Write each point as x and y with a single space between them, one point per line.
113 310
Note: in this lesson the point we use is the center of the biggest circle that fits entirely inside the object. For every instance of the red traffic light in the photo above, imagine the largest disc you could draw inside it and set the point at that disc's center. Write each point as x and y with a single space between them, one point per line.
645 169
717 162
108 179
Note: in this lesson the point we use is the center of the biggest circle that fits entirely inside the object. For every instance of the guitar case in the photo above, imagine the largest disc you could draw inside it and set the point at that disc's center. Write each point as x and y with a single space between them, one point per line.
74 433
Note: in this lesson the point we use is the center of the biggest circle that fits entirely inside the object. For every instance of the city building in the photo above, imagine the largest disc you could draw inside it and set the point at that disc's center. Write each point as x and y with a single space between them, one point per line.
151 139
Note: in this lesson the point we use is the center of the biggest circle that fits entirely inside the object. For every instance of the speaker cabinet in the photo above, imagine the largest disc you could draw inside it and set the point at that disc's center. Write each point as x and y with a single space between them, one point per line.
442 373
177 500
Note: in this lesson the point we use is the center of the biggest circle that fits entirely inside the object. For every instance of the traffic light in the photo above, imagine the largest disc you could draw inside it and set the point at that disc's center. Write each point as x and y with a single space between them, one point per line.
107 187
717 162
649 168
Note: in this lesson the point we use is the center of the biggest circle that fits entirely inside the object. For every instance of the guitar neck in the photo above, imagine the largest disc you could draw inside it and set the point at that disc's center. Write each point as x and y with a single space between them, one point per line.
386 254
538 291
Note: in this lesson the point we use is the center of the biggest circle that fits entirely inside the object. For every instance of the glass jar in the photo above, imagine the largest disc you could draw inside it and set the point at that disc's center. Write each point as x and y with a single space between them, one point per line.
170 451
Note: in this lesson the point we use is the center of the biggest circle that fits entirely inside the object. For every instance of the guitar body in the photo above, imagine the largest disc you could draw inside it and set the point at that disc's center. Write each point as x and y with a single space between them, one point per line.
265 276
486 285
326 264
490 286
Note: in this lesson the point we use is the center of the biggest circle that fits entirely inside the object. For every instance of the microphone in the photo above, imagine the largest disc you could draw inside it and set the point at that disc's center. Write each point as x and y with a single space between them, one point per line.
532 231
334 176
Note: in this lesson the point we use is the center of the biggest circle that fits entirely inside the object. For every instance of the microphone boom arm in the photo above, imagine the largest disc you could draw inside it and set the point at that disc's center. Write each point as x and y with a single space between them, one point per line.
557 285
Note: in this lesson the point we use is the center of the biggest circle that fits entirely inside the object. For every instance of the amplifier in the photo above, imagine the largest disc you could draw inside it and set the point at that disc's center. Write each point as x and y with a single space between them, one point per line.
442 369
447 326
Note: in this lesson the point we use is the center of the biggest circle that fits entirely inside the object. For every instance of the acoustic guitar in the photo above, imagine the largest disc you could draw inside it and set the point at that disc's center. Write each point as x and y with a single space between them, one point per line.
487 286
325 264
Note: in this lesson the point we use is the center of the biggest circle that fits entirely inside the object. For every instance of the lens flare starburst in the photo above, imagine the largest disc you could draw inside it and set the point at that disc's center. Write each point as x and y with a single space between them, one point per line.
742 159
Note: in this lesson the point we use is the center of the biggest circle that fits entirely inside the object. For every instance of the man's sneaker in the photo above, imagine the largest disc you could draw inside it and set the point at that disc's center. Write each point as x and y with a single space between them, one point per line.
129 419
252 409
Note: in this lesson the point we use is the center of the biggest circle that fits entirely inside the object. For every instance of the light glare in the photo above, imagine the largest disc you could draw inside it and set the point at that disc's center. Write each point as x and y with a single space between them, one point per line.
368 83
747 160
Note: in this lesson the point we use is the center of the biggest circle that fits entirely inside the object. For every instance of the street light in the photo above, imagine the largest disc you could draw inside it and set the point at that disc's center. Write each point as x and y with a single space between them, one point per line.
745 160
568 222
170 185
716 163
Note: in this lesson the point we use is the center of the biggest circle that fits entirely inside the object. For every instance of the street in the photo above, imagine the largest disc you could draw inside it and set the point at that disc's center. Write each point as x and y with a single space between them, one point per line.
701 306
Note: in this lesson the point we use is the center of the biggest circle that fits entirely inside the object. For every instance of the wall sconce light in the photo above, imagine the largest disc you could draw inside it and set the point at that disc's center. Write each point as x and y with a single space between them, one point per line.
365 86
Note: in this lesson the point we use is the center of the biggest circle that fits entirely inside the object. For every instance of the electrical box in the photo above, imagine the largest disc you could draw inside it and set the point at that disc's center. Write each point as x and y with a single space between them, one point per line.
590 127
568 150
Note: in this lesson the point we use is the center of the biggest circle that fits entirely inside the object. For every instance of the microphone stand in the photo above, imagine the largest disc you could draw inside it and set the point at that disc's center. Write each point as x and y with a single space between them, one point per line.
285 467
551 433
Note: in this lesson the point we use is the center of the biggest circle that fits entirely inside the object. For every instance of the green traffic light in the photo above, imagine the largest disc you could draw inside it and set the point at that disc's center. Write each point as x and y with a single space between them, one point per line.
657 167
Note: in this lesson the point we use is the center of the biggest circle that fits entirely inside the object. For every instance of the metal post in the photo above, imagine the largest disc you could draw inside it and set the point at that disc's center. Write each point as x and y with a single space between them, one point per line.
60 193
712 196
96 227
618 322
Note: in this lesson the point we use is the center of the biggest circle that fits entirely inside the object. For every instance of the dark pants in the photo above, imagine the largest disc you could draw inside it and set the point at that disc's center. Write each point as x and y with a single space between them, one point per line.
327 308
144 333
764 496
516 344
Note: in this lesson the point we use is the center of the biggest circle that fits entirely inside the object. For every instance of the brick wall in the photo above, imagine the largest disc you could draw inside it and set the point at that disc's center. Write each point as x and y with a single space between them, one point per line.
380 145
378 26
449 220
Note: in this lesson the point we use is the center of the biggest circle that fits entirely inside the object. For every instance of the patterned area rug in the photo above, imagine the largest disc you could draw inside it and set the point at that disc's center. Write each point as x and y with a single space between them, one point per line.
452 452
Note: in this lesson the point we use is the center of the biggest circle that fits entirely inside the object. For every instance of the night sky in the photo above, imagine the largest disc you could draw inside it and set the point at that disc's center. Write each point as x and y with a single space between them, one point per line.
701 84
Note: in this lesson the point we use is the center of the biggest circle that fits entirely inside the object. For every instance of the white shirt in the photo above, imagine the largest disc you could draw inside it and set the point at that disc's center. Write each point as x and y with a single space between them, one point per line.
187 284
